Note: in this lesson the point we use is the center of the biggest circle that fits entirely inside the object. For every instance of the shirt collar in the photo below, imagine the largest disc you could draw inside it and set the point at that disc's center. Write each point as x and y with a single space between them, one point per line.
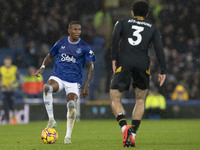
74 42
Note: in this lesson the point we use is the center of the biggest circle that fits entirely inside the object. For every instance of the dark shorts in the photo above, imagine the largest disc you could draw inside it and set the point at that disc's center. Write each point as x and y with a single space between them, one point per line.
122 80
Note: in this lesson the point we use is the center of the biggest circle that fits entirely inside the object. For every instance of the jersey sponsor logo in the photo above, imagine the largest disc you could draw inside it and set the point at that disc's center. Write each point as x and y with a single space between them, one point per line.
78 50
67 58
62 47
91 53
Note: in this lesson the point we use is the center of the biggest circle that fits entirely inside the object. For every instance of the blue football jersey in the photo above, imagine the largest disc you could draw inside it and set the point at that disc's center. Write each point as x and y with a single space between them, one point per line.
71 58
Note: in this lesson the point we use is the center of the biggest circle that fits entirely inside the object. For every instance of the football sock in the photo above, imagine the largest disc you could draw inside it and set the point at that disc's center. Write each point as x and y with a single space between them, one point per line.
71 116
135 125
48 100
133 134
123 128
78 109
122 121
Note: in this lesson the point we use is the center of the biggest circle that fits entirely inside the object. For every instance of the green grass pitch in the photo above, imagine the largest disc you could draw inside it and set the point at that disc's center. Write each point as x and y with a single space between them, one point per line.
105 135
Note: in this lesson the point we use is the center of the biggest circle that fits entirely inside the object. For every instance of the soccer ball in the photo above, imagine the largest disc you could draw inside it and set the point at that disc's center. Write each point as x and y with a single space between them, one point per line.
49 136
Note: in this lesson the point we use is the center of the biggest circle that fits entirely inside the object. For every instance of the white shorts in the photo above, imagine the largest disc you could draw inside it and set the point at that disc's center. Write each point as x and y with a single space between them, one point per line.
69 87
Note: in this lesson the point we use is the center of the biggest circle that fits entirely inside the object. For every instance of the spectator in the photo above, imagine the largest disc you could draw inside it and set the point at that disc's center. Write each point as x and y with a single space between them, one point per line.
155 104
32 51
16 41
44 50
9 83
33 86
3 39
19 61
103 26
180 93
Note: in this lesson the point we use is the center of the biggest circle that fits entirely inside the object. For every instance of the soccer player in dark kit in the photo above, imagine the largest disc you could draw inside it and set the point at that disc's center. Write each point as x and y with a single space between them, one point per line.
72 55
130 64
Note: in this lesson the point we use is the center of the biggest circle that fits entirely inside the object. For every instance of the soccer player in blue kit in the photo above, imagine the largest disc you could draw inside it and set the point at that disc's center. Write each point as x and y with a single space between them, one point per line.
72 55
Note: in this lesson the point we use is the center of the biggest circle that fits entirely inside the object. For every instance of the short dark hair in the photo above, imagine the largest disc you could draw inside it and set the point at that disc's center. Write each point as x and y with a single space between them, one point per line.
140 8
8 57
73 22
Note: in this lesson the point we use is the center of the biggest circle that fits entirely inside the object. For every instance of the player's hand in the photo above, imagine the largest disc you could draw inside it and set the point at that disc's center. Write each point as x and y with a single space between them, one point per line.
41 70
114 66
85 91
161 78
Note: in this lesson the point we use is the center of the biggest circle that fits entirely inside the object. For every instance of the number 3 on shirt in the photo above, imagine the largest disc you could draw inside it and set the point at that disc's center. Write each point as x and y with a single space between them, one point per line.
137 34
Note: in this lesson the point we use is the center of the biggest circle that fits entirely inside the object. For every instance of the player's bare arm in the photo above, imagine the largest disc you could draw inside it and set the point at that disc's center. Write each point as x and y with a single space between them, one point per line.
46 61
114 65
85 90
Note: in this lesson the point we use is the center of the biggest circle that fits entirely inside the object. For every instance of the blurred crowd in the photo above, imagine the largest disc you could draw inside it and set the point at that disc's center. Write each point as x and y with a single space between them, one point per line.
178 22
33 26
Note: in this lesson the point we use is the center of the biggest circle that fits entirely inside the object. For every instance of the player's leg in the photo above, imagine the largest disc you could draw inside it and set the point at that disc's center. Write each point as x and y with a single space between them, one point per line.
120 82
117 107
138 111
5 106
141 85
78 110
13 117
118 110
72 92
51 86
71 116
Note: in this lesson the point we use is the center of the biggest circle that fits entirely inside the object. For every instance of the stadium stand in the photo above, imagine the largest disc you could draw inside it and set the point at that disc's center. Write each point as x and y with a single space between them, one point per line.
38 23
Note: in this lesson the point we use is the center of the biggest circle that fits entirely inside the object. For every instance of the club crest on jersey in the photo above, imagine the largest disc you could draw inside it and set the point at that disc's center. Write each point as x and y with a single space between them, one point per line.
91 53
78 50
67 58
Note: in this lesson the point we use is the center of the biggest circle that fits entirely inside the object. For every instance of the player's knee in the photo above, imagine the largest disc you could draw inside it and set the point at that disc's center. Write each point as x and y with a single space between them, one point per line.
47 88
72 96
71 104
140 102
140 94
115 95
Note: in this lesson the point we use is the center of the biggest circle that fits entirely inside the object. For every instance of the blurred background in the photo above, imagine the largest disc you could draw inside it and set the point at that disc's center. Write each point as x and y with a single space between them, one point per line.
29 28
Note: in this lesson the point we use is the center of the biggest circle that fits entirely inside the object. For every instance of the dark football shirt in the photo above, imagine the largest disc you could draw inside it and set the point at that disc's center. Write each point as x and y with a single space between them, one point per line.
130 42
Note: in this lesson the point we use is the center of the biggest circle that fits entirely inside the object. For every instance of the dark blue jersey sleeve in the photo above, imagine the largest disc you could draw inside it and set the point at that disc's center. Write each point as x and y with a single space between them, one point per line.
89 54
54 49
157 42
116 39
